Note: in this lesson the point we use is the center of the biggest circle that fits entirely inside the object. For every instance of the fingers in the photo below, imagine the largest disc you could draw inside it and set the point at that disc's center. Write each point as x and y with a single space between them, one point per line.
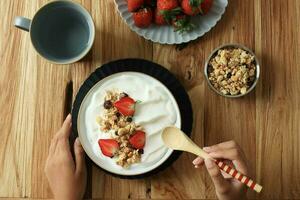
221 185
230 151
62 138
225 145
65 130
79 157
229 154
234 155
66 127
198 161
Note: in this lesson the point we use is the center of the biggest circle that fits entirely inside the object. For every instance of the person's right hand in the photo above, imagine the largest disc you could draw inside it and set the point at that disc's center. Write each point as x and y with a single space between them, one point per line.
227 188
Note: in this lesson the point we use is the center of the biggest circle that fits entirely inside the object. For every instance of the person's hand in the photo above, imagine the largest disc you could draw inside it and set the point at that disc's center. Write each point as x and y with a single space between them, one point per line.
67 178
226 187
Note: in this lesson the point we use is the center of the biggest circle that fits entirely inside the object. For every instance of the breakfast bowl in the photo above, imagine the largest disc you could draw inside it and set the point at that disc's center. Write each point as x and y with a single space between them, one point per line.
120 112
232 70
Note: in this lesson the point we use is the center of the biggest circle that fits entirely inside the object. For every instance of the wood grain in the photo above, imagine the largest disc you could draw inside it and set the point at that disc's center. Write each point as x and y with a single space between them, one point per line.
278 107
34 100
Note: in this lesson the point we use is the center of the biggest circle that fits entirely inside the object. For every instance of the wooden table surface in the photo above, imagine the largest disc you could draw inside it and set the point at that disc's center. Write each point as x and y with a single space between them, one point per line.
36 95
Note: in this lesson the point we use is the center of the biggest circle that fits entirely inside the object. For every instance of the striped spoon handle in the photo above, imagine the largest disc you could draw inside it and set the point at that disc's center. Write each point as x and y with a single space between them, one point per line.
239 176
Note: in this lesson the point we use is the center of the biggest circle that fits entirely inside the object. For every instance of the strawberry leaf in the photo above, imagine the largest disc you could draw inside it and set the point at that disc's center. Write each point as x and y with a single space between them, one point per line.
183 25
195 3
169 15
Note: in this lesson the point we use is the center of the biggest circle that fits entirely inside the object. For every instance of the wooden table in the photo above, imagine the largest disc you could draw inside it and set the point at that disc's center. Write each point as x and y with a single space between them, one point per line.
35 97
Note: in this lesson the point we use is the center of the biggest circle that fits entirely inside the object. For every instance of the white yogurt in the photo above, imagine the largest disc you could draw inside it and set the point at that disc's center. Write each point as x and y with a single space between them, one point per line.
157 110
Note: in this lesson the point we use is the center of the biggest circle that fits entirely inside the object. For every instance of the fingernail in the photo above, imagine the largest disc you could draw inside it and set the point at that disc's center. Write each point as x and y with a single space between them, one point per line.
209 163
195 161
69 119
77 141
196 166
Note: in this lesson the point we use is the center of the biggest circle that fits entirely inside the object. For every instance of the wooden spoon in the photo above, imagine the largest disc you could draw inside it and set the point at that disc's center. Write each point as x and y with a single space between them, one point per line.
175 139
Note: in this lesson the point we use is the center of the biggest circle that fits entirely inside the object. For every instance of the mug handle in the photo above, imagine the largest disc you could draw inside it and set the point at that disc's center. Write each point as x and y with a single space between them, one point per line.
22 23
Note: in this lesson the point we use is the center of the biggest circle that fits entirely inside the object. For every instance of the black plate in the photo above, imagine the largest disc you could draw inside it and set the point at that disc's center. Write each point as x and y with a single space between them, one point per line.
149 68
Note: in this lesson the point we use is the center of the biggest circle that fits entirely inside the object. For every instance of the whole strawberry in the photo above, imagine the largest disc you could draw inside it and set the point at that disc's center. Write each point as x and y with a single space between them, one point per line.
166 11
134 5
159 18
143 17
206 6
194 7
166 4
191 7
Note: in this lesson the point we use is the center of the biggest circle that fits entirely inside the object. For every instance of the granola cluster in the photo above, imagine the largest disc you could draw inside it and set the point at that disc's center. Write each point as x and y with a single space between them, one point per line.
120 128
112 119
232 71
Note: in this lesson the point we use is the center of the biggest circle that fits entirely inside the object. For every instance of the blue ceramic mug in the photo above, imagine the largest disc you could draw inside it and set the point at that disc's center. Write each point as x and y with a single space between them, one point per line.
61 31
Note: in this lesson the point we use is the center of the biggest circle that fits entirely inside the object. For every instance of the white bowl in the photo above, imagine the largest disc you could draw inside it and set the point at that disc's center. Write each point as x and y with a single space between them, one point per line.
166 34
89 131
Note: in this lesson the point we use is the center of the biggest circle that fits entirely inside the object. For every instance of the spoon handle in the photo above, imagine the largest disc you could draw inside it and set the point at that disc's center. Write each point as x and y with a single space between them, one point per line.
227 169
198 151
239 176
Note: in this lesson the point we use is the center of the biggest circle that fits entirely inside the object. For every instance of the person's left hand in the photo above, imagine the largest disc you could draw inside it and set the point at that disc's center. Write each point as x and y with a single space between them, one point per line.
67 178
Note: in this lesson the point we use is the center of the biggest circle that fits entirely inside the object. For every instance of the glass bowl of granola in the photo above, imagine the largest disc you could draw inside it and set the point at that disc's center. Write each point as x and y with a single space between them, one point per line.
232 70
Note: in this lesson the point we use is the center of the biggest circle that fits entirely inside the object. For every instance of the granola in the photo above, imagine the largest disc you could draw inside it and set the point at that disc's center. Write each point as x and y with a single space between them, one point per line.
232 71
126 137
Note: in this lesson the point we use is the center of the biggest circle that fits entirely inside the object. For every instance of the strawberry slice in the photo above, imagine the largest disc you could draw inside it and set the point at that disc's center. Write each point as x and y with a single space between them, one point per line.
108 147
138 140
125 106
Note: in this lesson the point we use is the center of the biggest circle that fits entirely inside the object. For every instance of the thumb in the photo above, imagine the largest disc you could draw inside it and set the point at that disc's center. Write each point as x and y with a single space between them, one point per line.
221 185
79 157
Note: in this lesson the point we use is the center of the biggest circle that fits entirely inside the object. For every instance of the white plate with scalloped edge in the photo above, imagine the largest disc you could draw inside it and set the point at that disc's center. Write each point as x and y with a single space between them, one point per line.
166 34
